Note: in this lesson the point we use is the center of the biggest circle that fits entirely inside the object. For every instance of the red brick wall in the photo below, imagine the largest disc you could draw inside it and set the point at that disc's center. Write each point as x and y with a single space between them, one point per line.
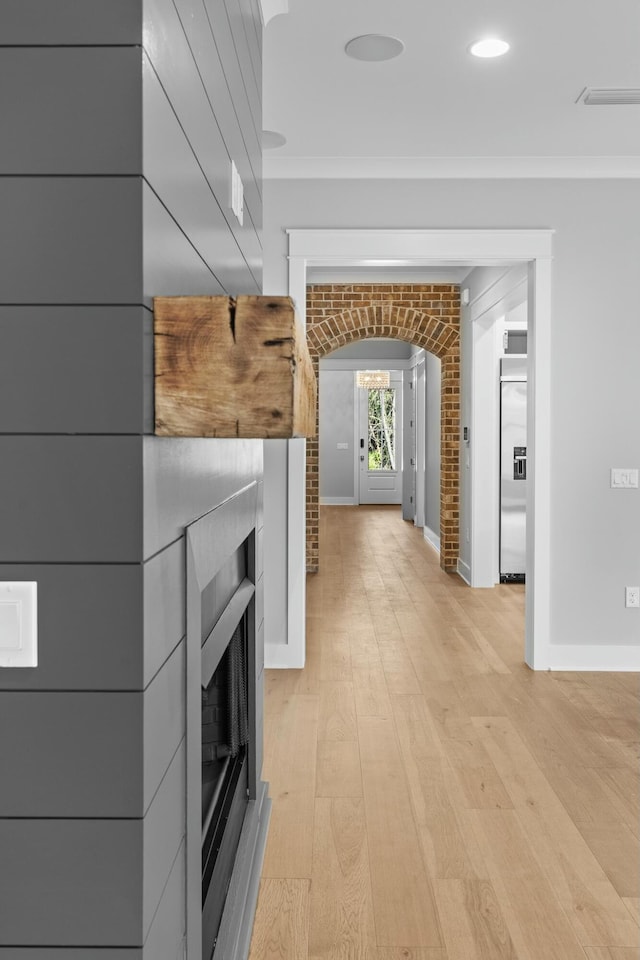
427 315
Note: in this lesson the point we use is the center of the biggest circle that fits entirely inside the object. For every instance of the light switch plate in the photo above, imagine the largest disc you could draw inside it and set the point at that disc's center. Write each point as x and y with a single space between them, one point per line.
624 478
237 193
18 623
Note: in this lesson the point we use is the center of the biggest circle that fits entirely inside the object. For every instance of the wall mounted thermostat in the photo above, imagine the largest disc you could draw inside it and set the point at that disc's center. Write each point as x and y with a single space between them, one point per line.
18 624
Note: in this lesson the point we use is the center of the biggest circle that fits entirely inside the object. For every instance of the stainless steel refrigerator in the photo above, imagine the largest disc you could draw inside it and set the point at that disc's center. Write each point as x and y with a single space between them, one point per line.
513 468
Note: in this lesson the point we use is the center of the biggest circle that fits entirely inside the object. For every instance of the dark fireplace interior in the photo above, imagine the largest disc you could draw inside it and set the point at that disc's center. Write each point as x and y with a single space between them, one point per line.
226 740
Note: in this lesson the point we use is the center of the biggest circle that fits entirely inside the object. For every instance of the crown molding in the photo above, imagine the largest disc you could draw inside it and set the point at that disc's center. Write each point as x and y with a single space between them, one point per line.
444 168
272 8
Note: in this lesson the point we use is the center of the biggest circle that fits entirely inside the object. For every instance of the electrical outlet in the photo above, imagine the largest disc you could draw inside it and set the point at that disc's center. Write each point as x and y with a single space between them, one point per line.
632 597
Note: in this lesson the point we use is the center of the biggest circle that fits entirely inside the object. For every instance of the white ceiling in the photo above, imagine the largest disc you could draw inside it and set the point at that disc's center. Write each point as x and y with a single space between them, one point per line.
437 111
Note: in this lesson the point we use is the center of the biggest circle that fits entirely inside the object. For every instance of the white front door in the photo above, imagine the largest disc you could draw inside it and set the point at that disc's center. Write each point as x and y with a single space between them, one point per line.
380 443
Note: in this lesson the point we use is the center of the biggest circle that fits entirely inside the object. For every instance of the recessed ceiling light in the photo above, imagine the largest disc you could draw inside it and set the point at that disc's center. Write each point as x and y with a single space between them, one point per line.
490 47
272 139
374 46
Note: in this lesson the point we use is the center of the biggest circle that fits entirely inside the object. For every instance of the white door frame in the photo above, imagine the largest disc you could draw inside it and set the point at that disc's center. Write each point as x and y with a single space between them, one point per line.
421 417
431 248
408 453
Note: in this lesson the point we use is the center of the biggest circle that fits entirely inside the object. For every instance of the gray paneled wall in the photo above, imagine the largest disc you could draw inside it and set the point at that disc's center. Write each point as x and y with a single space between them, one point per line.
120 119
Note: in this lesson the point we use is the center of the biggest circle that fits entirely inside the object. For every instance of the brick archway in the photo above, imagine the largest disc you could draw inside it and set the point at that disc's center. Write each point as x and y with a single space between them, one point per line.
431 320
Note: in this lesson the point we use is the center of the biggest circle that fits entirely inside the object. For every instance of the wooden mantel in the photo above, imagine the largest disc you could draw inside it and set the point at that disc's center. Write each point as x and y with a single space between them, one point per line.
232 367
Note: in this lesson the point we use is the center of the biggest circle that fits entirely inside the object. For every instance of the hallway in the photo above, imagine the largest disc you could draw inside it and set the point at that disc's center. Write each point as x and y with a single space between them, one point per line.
433 798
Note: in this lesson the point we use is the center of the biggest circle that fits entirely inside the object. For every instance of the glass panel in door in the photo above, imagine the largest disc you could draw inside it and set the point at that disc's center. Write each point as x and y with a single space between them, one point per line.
380 454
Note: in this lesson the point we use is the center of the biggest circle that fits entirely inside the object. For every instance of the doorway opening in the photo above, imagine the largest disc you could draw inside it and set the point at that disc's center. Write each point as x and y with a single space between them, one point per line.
380 459
348 248
429 318
379 436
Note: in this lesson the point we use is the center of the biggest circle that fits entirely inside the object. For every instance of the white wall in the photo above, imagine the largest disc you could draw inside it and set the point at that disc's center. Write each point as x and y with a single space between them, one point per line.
337 425
595 387
275 541
378 349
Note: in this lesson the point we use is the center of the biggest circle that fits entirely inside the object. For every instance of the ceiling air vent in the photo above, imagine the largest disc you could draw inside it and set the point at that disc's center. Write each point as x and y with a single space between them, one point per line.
609 96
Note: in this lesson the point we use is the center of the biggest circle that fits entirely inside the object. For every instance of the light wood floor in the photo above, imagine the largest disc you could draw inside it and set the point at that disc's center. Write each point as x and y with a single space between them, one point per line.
433 798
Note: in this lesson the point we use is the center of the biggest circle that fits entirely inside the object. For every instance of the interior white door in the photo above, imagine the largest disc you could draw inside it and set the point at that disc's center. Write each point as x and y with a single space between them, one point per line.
380 443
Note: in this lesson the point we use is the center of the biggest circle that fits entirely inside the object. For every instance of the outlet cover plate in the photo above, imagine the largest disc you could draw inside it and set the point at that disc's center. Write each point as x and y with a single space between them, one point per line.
18 623
632 597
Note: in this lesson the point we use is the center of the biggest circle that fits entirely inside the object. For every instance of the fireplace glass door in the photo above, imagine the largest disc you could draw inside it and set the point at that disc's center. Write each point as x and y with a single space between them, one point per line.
225 784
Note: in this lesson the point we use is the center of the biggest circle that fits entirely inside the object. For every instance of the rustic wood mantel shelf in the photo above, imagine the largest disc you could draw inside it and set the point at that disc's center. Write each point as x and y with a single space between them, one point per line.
232 367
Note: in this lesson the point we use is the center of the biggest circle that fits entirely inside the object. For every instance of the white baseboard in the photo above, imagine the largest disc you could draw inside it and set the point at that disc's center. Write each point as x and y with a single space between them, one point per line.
432 538
338 502
464 570
280 656
575 657
587 657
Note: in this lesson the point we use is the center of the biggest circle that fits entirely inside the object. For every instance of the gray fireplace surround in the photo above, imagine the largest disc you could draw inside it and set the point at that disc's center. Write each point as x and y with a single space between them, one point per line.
212 542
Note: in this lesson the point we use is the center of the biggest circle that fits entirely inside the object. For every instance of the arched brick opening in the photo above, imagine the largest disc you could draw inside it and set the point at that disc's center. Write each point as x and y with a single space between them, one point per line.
437 331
